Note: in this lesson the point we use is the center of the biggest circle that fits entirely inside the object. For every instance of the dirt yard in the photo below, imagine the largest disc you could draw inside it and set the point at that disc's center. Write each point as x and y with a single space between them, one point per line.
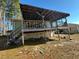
49 50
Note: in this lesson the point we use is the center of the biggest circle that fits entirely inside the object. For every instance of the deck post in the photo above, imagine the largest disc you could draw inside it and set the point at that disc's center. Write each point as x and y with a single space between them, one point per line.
51 23
51 28
57 30
68 28
4 23
43 25
22 32
43 21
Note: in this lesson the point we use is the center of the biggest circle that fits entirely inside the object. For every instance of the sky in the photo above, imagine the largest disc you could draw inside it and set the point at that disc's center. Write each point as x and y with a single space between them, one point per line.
68 6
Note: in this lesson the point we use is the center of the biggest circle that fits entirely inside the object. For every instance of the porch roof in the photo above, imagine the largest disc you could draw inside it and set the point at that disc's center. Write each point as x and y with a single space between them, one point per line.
34 13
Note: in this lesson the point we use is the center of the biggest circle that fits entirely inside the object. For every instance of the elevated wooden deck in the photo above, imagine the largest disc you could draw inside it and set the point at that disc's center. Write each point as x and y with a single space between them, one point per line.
37 30
41 29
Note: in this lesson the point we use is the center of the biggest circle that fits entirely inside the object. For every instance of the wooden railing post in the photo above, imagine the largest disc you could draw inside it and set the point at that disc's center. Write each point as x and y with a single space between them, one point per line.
43 21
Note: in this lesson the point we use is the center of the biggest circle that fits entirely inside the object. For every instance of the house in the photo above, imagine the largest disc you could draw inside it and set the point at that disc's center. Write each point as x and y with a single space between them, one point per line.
74 28
39 22
36 22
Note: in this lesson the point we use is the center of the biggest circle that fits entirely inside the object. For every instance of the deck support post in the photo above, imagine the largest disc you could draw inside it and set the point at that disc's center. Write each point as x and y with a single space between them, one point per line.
43 25
68 28
4 23
22 32
51 28
57 30
22 38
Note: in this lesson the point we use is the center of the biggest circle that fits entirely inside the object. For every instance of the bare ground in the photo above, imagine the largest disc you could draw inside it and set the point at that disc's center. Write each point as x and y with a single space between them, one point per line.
49 50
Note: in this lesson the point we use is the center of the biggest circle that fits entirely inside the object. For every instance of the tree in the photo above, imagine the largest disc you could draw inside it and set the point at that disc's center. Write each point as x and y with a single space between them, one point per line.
14 9
2 7
11 7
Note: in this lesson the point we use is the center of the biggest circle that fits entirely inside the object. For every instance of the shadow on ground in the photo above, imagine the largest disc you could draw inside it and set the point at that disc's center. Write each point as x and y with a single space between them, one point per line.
29 42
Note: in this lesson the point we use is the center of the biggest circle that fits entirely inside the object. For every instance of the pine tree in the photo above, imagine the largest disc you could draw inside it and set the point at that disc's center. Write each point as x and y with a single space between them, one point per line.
11 7
14 9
